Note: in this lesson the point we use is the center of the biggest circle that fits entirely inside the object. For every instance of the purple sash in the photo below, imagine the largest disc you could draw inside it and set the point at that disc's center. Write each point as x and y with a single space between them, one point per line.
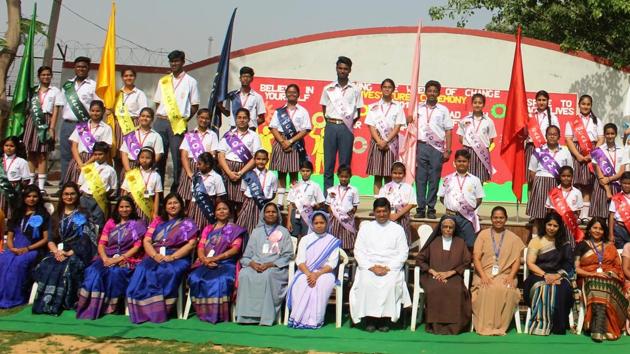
547 161
344 219
479 148
122 237
195 144
384 129
605 165
86 136
220 240
238 147
174 234
133 145
465 209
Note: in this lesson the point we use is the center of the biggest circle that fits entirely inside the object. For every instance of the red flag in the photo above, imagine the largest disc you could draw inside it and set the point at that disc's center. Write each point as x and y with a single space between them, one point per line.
515 125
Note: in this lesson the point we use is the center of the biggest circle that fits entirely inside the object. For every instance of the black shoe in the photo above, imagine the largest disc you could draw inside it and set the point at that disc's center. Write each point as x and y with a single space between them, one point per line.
431 215
384 328
419 215
370 328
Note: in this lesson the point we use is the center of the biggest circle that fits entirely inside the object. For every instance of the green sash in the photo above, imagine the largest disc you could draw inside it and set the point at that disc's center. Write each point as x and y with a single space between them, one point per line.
76 105
39 117
6 187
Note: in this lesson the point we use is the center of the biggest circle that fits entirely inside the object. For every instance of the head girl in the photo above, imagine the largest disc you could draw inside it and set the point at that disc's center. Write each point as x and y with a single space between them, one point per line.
610 133
145 119
293 93
552 134
97 109
146 158
586 107
478 102
387 88
542 103
242 119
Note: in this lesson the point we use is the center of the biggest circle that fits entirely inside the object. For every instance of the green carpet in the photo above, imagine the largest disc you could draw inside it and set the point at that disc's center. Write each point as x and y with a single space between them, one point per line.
328 338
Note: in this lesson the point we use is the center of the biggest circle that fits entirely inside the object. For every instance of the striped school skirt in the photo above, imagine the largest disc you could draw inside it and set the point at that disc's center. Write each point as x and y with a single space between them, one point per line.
379 162
31 141
529 151
285 162
476 167
540 189
233 189
581 175
185 183
132 164
72 175
118 132
346 236
599 202
248 215
195 213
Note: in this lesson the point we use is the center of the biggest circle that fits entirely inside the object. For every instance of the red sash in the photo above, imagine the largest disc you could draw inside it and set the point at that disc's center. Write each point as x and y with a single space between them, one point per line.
579 132
623 208
535 133
568 216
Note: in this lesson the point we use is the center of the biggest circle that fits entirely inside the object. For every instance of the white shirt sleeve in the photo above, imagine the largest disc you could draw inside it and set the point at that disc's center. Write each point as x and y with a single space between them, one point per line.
219 187
142 100
260 106
318 194
194 92
157 96
158 183
159 145
492 129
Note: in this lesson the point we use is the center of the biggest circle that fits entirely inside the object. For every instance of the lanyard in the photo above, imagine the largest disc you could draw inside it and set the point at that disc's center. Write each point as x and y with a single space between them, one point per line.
478 125
385 113
262 185
588 121
494 245
291 114
4 163
344 193
461 184
244 103
146 182
540 121
600 255
142 140
612 159
426 109
65 222
126 96
95 128
42 99
180 79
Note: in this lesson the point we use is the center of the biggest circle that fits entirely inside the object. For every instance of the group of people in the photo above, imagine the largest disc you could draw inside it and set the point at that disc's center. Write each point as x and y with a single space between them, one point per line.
226 203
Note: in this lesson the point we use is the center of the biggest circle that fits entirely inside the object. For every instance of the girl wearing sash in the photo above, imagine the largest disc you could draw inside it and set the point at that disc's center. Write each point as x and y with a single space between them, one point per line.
567 201
289 125
619 213
235 156
538 123
143 136
600 276
39 129
129 101
342 201
212 281
119 251
583 134
609 164
384 119
317 257
213 188
544 166
26 240
150 189
401 197
258 193
83 138
304 197
14 175
195 143
72 247
476 133
547 289
152 291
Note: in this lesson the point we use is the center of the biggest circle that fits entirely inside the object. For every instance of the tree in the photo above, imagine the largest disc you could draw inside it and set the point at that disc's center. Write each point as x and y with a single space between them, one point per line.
600 27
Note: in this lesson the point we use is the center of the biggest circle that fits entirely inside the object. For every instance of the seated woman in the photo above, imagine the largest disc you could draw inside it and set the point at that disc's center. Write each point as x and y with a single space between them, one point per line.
26 237
442 261
625 262
72 247
119 251
152 290
599 272
317 257
497 259
212 281
547 289
262 283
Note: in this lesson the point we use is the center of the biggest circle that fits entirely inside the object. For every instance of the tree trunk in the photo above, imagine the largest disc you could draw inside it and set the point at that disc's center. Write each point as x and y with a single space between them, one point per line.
7 55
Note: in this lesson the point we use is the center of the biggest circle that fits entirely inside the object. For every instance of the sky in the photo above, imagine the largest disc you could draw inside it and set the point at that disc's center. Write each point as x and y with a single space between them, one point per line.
163 25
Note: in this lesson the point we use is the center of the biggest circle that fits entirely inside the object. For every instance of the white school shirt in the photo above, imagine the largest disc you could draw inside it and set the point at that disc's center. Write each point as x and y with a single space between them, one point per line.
543 122
306 241
51 98
404 190
594 130
254 103
135 101
16 168
351 94
250 139
613 207
346 197
186 94
562 156
152 182
573 198
615 155
209 140
102 132
307 191
268 182
108 176
86 91
482 127
151 139
471 189
439 121
391 113
213 183
300 117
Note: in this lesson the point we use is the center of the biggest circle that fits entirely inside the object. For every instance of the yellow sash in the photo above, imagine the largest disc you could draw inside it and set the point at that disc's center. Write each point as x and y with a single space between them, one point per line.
123 116
178 122
137 187
99 192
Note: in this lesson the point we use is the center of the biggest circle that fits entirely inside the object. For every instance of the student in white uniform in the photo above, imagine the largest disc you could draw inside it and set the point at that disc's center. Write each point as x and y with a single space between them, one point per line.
619 225
573 198
607 182
539 121
109 179
145 136
476 133
248 216
401 197
213 184
245 97
304 197
17 174
152 184
342 201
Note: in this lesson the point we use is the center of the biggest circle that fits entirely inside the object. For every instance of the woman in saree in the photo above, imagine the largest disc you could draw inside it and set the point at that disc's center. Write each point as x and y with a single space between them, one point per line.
262 283
119 251
600 276
317 258
442 261
26 240
153 288
72 247
497 259
212 280
547 289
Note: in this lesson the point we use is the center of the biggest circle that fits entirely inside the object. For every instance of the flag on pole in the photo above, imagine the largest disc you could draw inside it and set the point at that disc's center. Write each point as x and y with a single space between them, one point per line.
24 85
408 138
106 79
220 84
515 124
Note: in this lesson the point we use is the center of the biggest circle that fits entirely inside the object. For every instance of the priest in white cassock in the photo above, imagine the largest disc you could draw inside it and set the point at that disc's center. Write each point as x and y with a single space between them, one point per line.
379 288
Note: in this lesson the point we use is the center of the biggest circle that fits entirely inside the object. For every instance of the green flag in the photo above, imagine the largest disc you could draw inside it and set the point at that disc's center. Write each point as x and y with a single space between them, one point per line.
23 85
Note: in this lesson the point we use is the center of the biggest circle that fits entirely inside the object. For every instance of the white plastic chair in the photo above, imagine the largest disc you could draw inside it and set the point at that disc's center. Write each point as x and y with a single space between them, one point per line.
291 275
424 231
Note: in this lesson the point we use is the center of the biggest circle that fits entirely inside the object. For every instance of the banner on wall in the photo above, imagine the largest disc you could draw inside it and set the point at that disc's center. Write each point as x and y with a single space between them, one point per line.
457 100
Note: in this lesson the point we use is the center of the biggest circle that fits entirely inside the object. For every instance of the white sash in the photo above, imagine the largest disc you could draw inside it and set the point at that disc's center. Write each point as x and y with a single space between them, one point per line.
478 147
336 97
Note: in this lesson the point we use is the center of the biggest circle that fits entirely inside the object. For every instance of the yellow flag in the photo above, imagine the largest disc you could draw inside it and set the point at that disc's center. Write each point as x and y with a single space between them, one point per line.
106 79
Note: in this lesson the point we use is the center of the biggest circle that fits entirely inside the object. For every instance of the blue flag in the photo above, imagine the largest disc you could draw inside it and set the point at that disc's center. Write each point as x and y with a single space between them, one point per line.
220 85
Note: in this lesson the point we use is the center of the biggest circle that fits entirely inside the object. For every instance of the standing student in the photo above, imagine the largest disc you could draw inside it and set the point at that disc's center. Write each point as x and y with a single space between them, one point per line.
401 197
39 129
143 136
342 201
289 125
206 189
384 119
538 123
96 185
15 177
583 134
609 164
341 104
461 193
259 187
476 133
180 88
304 197
619 217
433 148
146 192
567 202
244 97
